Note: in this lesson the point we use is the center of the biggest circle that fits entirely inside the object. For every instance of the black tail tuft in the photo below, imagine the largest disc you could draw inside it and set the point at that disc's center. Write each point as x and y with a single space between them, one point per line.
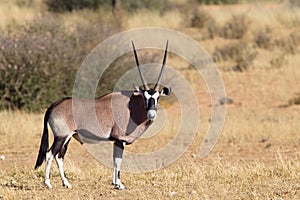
44 142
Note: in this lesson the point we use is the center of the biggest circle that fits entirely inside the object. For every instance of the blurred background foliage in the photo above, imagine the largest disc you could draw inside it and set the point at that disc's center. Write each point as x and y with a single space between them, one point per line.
43 42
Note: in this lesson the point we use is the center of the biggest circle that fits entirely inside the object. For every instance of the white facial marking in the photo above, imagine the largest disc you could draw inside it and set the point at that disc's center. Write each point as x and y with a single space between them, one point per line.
155 95
147 95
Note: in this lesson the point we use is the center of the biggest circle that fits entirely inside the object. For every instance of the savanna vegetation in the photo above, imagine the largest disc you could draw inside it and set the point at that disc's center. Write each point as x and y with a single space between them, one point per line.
42 39
256 45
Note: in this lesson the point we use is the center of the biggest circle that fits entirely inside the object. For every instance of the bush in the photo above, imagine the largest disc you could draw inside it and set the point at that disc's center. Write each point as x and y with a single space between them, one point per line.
208 2
278 61
244 60
70 5
290 43
38 63
133 5
129 5
240 53
263 39
199 19
235 28
39 59
211 29
295 100
294 3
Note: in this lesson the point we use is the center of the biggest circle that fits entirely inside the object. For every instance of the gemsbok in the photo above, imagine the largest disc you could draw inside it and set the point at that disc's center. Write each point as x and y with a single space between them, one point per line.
136 111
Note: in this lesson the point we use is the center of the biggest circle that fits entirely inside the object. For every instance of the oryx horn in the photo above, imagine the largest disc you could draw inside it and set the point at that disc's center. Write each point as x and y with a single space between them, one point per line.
138 66
162 68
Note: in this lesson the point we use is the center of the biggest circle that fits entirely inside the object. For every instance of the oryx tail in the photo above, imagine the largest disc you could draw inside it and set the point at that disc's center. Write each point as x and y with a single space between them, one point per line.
44 141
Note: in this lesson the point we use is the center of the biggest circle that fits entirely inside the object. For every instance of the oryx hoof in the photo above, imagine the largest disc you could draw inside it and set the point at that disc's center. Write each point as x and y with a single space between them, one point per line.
67 184
48 184
120 187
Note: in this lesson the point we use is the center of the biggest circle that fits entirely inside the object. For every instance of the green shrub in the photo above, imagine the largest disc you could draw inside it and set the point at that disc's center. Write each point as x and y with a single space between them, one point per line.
39 59
209 2
133 5
70 5
38 62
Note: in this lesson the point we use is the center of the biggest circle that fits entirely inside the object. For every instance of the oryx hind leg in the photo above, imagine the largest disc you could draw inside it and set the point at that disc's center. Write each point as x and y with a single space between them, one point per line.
49 159
59 157
57 150
60 164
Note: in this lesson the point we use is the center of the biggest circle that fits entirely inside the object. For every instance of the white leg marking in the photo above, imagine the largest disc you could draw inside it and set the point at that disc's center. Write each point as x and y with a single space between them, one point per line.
117 157
68 138
60 164
49 159
114 177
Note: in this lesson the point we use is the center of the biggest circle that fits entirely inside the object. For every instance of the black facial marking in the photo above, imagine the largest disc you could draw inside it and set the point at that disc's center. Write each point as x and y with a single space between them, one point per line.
151 104
151 91
166 91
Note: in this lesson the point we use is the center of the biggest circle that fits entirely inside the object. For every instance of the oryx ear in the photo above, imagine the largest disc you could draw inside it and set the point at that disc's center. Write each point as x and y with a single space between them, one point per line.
166 91
137 90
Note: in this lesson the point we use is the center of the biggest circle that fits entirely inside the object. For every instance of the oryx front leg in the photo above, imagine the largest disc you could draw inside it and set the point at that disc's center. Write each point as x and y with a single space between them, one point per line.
60 164
117 157
49 159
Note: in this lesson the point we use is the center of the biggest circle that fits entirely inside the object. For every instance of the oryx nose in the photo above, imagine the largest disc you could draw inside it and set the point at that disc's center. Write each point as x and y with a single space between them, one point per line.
151 114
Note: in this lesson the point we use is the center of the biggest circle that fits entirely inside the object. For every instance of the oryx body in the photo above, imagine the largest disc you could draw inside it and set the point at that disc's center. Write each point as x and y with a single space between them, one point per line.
119 116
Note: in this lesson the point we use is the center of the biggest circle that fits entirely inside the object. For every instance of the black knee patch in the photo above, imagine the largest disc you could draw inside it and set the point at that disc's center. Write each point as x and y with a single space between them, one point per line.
119 144
63 150
58 146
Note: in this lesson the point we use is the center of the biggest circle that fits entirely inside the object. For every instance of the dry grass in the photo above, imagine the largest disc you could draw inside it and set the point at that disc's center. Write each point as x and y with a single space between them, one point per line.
256 157
18 10
171 19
